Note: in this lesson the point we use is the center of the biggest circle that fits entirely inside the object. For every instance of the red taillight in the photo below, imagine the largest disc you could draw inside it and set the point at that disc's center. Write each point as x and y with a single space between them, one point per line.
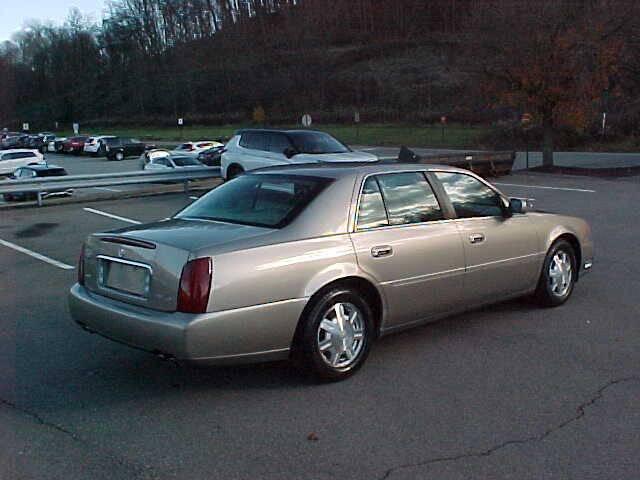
195 285
81 266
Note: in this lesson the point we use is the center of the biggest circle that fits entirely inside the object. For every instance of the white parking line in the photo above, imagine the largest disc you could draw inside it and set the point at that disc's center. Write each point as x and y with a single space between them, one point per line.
26 251
107 189
546 188
194 198
111 215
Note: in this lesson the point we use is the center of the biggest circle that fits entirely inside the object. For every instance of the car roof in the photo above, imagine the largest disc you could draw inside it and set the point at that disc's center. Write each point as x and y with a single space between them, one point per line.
346 169
18 150
278 130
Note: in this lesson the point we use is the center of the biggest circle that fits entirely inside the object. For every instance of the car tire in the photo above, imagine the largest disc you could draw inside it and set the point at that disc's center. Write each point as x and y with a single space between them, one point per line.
329 347
558 276
119 156
233 171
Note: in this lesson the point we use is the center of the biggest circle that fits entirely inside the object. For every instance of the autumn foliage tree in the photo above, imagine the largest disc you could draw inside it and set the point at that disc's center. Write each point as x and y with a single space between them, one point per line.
553 58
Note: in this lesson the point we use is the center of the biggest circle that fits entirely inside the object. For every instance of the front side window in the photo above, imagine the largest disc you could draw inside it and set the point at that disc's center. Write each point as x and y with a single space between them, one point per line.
469 196
270 201
278 142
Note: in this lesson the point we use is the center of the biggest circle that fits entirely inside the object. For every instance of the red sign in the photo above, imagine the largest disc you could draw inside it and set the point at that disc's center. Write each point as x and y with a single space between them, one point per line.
443 119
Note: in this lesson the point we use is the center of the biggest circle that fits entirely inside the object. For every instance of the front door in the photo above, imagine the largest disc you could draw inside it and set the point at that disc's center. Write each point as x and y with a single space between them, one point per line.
501 252
404 242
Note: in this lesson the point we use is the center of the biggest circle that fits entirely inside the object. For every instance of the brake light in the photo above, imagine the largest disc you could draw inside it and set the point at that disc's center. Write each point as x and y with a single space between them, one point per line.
81 266
195 286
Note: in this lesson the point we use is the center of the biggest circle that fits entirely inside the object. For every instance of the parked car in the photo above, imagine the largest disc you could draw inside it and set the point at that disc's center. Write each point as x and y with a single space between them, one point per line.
314 262
119 148
38 171
41 142
194 148
171 162
256 148
13 141
96 146
10 160
74 145
211 156
57 144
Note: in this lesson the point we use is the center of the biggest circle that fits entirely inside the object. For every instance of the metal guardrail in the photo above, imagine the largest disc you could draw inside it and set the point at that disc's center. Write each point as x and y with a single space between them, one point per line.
46 184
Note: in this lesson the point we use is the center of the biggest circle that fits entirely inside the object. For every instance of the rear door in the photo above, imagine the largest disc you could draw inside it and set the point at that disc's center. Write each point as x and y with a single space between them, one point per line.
404 241
501 253
254 151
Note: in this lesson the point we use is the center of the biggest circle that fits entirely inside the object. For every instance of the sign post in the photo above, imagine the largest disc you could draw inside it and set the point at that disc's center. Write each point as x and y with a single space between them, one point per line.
306 120
356 119
180 126
443 122
526 122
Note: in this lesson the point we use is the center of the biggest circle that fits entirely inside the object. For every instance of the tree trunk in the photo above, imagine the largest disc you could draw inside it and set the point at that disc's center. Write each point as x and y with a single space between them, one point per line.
547 141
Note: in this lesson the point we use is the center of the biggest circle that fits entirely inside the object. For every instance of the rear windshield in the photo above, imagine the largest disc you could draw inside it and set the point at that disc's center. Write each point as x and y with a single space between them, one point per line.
316 142
52 172
270 201
184 161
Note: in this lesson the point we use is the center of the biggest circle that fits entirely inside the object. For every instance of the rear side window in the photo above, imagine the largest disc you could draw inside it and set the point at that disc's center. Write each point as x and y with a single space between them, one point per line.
469 196
409 198
254 140
397 199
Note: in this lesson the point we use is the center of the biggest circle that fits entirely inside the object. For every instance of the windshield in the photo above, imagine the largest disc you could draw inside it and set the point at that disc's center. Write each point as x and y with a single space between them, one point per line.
270 201
316 142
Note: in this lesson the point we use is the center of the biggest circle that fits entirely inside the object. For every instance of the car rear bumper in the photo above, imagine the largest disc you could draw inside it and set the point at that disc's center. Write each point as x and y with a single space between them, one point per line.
250 334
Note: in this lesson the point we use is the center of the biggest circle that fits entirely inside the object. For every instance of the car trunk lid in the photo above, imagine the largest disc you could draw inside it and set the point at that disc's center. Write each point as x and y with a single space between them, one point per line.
142 264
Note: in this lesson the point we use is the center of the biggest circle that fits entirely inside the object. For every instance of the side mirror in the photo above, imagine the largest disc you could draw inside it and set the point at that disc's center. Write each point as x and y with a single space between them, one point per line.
516 206
290 152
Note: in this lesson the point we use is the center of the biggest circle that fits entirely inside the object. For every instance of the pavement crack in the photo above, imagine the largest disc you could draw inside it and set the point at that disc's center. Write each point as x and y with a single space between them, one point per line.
39 419
138 472
580 412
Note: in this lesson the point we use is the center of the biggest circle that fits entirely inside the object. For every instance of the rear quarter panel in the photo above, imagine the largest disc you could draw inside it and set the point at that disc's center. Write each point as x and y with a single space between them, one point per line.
283 271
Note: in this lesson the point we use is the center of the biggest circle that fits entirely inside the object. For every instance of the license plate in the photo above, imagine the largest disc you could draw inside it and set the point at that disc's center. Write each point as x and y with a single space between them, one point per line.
124 277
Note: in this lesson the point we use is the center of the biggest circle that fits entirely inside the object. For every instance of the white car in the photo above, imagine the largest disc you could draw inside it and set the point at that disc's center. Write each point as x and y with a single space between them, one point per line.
10 160
170 162
257 148
192 149
95 145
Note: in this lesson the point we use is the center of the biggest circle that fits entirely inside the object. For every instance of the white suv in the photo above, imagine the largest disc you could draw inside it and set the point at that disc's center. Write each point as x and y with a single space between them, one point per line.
256 148
95 145
12 159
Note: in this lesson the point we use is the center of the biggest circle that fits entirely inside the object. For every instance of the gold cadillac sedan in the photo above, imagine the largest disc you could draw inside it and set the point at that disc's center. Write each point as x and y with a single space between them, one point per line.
314 262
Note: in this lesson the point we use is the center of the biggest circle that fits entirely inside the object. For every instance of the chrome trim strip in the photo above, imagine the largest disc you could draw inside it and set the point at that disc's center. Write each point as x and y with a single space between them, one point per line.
505 260
240 355
125 261
419 278
354 227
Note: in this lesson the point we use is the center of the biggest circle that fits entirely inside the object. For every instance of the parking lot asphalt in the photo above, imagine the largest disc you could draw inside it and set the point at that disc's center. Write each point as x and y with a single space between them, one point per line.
509 391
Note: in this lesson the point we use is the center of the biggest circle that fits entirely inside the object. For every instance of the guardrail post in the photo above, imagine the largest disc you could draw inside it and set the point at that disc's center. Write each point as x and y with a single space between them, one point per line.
39 198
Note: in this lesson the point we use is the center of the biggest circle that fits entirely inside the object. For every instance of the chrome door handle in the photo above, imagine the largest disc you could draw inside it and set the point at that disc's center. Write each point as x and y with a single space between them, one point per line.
382 251
476 238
